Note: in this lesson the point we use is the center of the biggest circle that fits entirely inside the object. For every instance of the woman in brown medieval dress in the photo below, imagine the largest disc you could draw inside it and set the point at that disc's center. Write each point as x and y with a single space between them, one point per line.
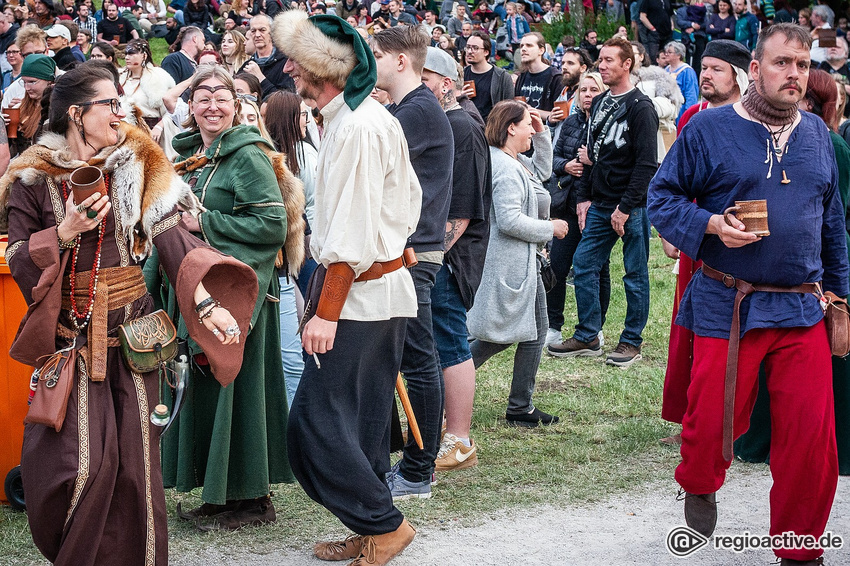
94 489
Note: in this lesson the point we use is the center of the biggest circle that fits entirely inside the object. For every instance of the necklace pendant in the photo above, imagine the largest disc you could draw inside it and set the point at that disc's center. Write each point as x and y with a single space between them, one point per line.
785 180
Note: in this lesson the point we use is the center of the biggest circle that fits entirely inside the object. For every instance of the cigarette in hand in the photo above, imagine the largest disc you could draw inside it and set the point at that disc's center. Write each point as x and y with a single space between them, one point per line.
316 358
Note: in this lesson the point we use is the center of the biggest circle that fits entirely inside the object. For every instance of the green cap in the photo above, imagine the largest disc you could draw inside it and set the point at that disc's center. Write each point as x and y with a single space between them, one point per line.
39 67
362 79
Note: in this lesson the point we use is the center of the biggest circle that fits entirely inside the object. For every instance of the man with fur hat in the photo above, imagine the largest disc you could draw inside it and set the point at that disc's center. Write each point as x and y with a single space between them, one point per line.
367 205
723 81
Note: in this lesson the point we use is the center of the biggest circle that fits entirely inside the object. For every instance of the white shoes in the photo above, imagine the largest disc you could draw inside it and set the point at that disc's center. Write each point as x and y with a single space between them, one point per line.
553 337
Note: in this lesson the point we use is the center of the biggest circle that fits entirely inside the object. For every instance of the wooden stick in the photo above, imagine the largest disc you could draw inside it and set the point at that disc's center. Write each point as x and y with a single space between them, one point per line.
408 410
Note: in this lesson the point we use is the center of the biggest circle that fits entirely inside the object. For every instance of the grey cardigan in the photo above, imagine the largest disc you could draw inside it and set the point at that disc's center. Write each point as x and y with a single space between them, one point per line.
503 312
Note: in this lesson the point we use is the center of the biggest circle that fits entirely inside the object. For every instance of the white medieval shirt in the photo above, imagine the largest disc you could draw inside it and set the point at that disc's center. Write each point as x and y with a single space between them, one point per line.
368 200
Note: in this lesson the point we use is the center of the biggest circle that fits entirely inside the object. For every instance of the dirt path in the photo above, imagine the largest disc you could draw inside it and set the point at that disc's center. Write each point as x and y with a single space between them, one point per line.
626 529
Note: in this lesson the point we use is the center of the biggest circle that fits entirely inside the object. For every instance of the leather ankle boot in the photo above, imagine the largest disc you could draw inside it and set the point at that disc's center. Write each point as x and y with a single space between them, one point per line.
701 512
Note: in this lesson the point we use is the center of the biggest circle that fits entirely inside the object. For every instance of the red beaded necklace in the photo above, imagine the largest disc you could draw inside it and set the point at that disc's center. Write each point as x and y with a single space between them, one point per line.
85 315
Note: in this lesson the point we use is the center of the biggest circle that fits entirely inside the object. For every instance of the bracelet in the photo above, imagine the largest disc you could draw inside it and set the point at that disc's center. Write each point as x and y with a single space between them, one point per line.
207 313
63 245
202 304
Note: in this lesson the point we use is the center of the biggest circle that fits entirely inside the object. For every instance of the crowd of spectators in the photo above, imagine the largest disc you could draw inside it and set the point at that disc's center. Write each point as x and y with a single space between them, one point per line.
575 134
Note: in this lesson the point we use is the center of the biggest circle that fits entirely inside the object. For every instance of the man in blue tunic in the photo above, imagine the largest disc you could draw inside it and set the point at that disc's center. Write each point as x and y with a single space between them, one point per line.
755 298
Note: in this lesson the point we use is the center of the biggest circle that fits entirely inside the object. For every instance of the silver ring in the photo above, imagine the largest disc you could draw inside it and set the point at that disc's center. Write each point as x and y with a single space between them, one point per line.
232 331
215 332
81 208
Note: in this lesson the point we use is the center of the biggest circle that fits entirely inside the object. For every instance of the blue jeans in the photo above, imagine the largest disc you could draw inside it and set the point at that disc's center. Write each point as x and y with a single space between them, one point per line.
449 318
594 250
290 340
421 368
561 255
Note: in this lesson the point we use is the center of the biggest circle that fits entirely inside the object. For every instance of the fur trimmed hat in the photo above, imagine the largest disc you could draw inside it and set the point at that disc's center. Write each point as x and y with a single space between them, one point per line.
329 49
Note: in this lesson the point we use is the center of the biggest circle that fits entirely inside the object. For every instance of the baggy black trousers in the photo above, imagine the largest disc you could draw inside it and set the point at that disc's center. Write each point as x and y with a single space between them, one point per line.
339 425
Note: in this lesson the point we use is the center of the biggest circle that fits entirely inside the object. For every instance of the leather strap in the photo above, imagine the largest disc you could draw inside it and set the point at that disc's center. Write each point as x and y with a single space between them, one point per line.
338 282
744 288
379 269
116 287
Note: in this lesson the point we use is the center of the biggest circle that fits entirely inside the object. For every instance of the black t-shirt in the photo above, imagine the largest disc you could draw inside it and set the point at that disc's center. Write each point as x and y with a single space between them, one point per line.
179 66
539 89
431 147
472 194
659 13
483 101
843 70
115 29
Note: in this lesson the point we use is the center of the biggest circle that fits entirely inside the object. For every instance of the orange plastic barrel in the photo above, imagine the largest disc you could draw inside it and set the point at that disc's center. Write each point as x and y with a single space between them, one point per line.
14 376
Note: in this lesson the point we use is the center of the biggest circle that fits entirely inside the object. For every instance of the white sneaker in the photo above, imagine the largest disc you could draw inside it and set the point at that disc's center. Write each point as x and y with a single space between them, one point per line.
601 339
553 337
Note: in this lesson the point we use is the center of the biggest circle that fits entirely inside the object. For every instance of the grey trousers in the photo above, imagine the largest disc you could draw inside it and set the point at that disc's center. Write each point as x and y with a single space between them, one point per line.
526 359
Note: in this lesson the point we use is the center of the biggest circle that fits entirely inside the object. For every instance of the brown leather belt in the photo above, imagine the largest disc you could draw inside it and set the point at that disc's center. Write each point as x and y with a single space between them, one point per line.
116 288
379 269
744 288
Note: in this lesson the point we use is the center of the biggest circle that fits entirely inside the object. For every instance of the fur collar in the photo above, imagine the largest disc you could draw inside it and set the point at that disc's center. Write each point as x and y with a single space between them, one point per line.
665 83
144 185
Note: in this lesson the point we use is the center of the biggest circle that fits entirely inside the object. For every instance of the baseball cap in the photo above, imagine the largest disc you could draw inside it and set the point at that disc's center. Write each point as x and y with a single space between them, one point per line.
440 62
59 31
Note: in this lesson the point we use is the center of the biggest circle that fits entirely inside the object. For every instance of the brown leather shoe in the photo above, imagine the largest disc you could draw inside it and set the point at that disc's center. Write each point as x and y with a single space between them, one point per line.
205 510
701 512
339 550
246 512
377 550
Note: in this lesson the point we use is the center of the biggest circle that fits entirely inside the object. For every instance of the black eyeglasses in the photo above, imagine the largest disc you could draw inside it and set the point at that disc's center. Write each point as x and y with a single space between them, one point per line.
114 104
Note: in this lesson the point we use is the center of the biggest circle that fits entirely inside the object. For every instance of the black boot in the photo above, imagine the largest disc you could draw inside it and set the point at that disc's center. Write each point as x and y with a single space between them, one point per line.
788 562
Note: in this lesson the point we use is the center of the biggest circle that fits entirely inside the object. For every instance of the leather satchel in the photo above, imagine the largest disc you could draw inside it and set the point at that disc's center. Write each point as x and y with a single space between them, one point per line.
53 389
148 342
837 318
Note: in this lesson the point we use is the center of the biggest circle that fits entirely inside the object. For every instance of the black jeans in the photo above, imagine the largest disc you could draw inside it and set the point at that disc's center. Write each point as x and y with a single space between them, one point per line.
561 256
420 365
338 437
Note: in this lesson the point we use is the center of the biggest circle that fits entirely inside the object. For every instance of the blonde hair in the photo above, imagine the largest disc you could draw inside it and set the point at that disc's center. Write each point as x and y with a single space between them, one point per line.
239 56
260 124
597 78
219 73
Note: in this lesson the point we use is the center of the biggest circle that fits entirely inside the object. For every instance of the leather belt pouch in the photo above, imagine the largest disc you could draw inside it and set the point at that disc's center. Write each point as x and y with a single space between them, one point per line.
837 319
148 342
55 379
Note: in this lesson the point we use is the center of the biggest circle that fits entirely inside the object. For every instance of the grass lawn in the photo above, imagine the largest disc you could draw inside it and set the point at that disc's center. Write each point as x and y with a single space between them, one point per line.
606 442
